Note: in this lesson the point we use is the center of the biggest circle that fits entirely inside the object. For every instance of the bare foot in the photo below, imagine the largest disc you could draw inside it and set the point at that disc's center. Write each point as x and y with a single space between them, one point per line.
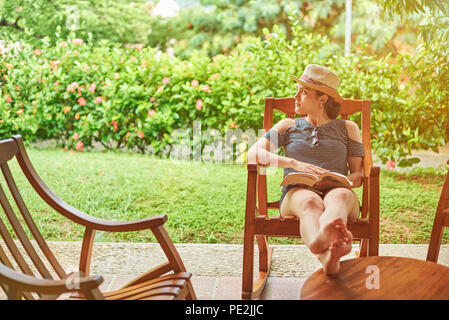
334 230
331 258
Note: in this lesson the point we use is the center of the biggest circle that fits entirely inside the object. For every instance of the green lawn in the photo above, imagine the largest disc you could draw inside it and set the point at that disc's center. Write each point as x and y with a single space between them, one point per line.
205 202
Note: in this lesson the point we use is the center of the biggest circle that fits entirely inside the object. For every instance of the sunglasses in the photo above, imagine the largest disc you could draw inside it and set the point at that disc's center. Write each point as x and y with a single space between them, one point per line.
314 137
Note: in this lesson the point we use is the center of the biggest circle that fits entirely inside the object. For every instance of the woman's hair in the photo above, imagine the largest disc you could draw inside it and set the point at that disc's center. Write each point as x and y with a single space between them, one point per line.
331 106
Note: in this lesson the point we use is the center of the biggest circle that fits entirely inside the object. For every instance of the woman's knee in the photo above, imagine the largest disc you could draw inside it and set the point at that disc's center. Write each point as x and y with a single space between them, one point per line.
311 204
300 204
341 194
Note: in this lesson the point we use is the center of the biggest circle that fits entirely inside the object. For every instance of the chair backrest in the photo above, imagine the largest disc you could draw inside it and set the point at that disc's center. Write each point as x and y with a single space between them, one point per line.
27 258
287 106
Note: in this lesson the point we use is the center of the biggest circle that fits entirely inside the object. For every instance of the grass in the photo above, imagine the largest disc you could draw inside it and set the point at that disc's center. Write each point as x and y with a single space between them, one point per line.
205 202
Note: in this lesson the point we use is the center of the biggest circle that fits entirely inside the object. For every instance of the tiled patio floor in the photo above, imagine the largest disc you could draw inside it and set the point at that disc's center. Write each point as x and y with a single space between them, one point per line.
224 288
212 277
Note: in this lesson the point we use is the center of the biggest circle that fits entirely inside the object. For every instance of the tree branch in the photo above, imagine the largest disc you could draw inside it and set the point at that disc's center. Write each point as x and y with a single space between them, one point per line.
5 23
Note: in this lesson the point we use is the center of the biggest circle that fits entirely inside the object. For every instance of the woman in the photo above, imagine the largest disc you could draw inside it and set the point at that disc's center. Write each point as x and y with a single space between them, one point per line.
317 143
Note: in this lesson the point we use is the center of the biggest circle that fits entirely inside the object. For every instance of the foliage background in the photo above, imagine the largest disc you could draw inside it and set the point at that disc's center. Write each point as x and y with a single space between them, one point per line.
238 53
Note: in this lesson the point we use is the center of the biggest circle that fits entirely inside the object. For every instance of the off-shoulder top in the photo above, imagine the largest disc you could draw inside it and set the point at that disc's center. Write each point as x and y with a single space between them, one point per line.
331 152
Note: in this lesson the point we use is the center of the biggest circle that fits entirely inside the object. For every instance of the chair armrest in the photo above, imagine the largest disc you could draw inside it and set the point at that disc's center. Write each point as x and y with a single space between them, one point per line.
103 224
20 282
252 166
372 172
122 226
96 223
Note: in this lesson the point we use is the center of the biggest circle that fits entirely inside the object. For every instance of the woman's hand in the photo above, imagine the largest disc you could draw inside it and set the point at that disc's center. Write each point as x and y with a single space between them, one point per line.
307 167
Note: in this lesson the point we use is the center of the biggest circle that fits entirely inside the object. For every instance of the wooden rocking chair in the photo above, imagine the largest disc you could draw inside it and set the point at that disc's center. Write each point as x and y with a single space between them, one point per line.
170 280
440 221
259 225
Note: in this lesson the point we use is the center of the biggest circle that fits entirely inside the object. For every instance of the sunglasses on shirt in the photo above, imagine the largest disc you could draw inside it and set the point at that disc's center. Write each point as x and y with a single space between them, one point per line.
314 137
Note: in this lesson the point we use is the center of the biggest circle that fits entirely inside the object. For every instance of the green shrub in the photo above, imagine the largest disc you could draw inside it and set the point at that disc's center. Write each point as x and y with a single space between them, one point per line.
136 98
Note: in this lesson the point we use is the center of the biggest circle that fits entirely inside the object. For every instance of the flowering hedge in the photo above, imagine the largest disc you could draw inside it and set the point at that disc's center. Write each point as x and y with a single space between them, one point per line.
135 97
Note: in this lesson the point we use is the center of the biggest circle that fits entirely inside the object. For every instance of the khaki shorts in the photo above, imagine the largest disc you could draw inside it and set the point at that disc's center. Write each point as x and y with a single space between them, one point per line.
351 217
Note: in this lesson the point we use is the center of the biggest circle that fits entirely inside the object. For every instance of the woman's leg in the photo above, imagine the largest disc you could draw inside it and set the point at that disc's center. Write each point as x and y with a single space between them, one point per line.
308 207
329 232
339 205
340 202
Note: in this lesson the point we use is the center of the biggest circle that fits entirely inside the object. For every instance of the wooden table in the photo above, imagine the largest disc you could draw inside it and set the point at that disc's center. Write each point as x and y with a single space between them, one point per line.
380 278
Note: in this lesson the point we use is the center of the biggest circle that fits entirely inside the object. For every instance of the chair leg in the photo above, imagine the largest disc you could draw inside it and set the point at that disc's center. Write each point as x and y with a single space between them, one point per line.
373 247
191 295
263 253
435 238
251 290
363 248
248 264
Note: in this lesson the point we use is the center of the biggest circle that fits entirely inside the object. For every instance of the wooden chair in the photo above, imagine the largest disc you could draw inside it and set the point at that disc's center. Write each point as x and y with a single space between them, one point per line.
260 226
169 280
440 221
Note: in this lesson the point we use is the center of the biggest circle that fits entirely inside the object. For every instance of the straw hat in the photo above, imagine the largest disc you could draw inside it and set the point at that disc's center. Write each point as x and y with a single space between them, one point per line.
322 79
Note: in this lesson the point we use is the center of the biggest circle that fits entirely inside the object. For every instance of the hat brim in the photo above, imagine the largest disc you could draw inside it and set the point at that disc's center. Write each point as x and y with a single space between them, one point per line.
324 89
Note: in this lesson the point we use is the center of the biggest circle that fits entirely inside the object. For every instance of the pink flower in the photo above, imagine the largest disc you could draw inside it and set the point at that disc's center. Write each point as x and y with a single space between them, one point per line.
206 88
116 75
391 164
139 46
214 76
268 37
79 146
72 87
20 112
194 83
152 99
63 44
92 87
98 100
76 136
199 104
78 41
114 124
165 80
140 134
8 99
233 125
151 113
82 101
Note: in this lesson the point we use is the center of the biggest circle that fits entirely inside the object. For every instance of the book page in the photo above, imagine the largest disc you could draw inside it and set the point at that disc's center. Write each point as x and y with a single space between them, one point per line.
335 176
300 178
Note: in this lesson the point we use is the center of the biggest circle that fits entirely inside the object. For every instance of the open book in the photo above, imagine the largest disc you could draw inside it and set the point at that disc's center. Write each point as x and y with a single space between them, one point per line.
333 179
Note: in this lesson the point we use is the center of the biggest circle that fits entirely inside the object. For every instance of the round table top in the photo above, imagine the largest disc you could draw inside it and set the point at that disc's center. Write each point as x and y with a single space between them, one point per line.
380 278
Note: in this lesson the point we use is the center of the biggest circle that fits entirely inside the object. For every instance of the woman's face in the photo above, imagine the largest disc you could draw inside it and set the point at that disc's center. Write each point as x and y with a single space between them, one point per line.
305 100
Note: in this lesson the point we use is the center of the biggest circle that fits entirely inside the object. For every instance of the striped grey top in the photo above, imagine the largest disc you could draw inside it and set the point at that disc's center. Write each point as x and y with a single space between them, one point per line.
332 151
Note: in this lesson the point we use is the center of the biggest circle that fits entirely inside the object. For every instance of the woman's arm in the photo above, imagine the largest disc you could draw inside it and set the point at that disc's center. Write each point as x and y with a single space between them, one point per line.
262 153
355 163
